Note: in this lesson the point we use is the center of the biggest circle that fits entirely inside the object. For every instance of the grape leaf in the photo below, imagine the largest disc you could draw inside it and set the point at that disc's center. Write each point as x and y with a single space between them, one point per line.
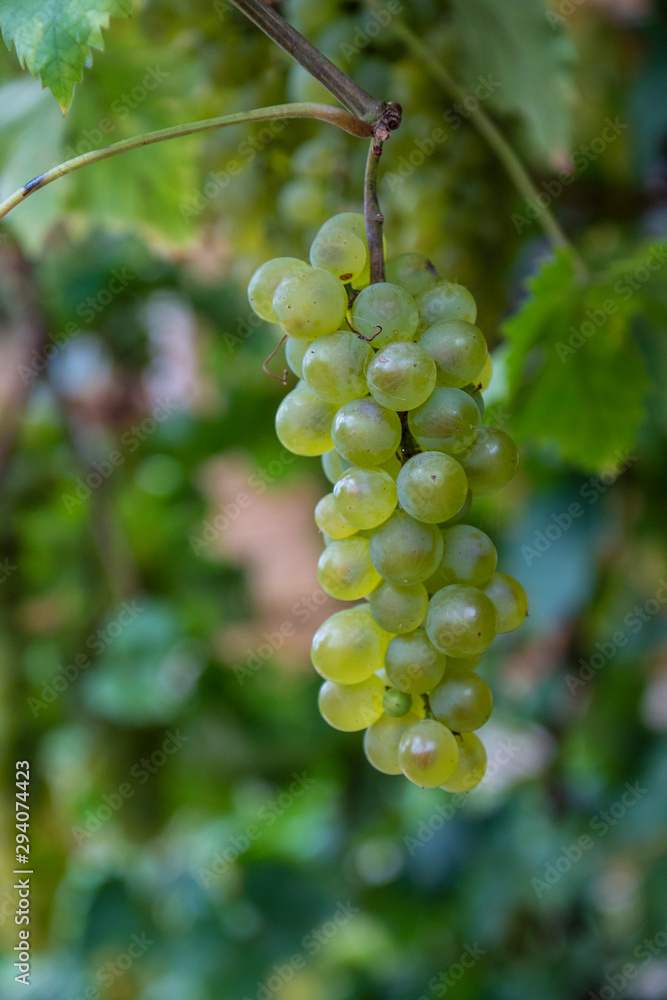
575 374
526 61
53 38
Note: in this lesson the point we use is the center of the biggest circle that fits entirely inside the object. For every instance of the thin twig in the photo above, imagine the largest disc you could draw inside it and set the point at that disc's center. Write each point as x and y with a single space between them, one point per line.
272 355
323 112
374 217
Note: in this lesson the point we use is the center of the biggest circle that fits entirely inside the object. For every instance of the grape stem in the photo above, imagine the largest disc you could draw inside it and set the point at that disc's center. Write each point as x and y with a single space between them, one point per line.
279 378
323 112
372 212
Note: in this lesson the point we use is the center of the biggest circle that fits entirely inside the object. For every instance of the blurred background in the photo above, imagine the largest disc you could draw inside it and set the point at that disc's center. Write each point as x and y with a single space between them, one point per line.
196 829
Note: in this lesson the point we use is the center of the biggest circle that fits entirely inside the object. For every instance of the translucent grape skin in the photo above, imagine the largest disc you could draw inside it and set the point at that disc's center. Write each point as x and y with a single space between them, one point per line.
458 349
304 421
428 753
509 599
462 701
445 301
469 556
405 551
413 664
471 767
492 461
345 570
365 498
401 376
354 222
349 646
265 280
331 466
329 520
351 707
309 303
294 352
339 251
396 703
334 366
399 609
366 433
448 421
412 271
432 487
461 621
381 741
383 313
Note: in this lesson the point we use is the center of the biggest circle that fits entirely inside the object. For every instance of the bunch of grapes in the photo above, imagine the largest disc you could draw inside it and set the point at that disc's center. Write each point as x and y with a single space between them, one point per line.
390 387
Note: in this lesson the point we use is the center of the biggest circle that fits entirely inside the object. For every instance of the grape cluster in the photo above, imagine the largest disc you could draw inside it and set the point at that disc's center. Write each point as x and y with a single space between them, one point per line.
390 387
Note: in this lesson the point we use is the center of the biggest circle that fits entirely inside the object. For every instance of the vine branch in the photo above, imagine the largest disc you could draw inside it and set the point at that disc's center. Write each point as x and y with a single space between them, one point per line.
372 212
323 112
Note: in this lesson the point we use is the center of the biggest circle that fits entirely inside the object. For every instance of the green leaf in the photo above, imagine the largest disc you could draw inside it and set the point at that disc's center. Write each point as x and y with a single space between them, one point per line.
526 60
53 38
575 375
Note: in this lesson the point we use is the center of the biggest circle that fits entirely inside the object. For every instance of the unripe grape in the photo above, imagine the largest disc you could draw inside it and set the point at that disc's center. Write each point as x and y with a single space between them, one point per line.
350 707
365 498
396 703
334 366
458 349
509 599
401 376
366 433
492 461
448 421
462 701
469 556
412 271
381 741
339 251
265 280
354 222
428 753
329 520
349 646
303 422
445 301
399 609
384 313
309 303
471 767
413 664
345 570
461 620
432 487
405 551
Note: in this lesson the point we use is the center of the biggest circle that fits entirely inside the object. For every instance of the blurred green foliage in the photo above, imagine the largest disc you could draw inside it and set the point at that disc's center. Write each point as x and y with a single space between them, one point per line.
206 809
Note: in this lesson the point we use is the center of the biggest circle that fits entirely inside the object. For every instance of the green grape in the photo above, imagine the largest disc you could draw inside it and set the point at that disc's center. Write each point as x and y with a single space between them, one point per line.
331 465
396 703
264 282
432 487
366 433
471 767
469 555
401 376
349 646
461 620
412 271
334 366
329 520
303 422
309 303
477 398
445 301
405 551
435 582
399 609
462 701
339 251
484 377
355 222
351 707
345 570
463 663
382 738
413 664
383 313
458 349
462 514
365 498
294 352
448 421
392 466
428 753
509 599
491 462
